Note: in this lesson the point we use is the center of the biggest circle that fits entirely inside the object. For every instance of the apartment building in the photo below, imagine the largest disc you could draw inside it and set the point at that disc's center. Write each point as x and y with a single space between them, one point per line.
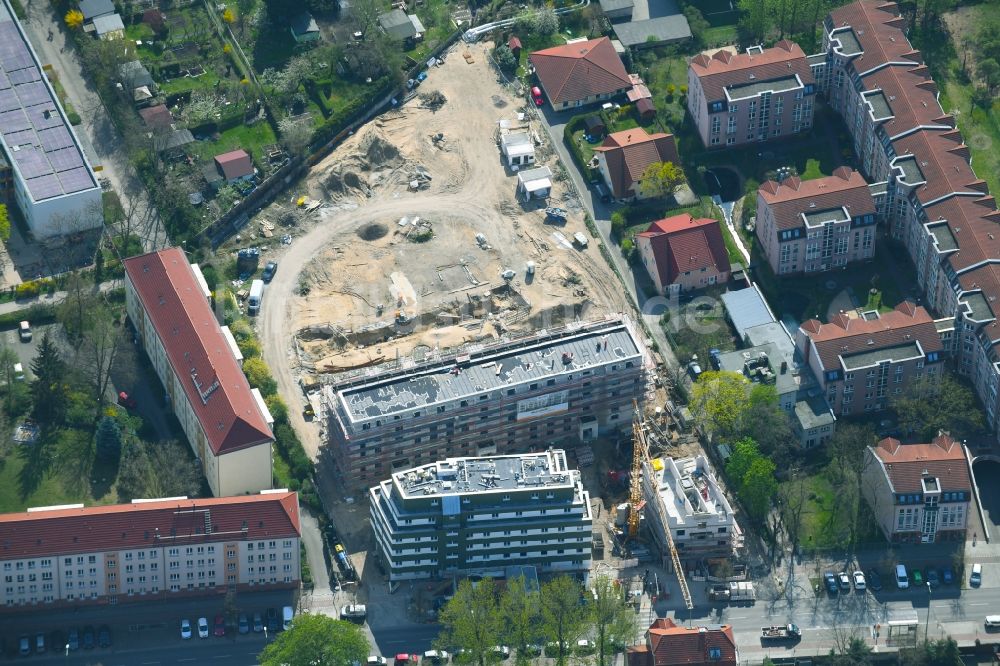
669 644
809 226
919 493
62 556
481 515
683 253
935 204
569 383
54 184
862 361
682 496
758 95
226 422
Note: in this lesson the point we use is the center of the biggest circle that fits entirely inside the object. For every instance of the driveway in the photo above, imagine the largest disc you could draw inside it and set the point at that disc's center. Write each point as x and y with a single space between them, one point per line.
99 137
651 307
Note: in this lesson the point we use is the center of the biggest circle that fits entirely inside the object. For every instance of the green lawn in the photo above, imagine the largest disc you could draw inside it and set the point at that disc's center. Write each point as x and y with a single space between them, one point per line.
825 520
723 34
248 138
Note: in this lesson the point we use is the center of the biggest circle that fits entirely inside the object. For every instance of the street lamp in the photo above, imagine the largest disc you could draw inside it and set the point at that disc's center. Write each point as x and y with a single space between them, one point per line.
927 621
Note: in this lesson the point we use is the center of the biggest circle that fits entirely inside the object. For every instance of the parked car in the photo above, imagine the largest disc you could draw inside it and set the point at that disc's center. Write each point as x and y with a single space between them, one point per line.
74 639
104 636
859 581
932 577
220 626
501 651
436 656
845 582
874 580
24 646
918 578
269 270
831 582
947 576
243 624
40 643
992 622
185 629
272 620
202 627
24 331
88 637
258 623
583 646
536 94
375 660
976 578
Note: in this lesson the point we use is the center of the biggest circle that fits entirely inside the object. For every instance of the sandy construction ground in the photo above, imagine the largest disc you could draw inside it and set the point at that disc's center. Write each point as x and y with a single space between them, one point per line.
355 287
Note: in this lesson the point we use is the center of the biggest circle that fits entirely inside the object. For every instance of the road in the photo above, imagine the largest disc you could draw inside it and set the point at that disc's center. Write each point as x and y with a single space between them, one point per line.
651 307
101 140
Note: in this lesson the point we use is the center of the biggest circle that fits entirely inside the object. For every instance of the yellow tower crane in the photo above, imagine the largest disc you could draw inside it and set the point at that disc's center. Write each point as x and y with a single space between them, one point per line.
640 458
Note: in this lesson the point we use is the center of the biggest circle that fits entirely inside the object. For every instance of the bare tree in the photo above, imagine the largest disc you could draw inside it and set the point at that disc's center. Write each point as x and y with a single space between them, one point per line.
101 341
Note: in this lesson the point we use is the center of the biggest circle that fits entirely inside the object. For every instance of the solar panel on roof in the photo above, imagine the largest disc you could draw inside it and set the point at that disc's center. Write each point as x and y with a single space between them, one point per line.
31 162
64 159
76 180
13 121
32 93
4 81
55 138
19 138
44 116
44 187
26 75
8 100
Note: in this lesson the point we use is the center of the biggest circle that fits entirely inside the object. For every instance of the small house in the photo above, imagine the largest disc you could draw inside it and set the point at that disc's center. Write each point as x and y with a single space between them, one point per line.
173 142
518 149
535 183
235 166
91 9
617 10
594 126
156 117
402 26
514 44
109 26
304 28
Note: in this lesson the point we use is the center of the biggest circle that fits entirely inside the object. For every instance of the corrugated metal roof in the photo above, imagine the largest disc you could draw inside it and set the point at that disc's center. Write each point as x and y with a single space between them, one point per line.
747 308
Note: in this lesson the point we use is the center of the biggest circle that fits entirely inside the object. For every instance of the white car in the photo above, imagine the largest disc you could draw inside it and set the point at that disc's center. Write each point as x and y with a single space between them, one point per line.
375 660
185 629
436 656
501 651
202 627
859 580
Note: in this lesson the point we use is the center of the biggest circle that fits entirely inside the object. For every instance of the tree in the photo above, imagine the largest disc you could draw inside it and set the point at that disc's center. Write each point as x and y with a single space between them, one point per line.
744 453
259 376
162 469
4 223
942 652
471 621
48 390
759 487
614 622
108 439
504 58
989 71
102 339
73 19
7 360
295 134
718 401
228 16
546 22
317 640
935 403
756 20
660 179
519 616
564 618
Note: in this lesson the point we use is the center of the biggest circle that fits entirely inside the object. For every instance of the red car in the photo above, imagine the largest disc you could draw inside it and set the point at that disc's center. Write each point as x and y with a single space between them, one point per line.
536 94
126 401
220 626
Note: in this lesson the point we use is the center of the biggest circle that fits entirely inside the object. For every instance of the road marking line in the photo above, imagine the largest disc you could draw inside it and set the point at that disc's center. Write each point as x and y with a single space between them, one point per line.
738 617
980 603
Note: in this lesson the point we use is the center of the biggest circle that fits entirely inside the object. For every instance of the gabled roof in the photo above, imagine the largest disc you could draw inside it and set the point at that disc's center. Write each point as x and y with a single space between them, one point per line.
793 196
197 350
580 70
725 69
943 159
397 24
156 117
304 23
910 95
906 465
514 43
107 23
235 164
630 152
668 644
877 27
148 524
683 243
93 8
845 336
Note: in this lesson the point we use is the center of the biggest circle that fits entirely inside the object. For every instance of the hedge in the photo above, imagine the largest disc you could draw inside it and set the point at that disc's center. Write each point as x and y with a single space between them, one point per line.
576 123
339 119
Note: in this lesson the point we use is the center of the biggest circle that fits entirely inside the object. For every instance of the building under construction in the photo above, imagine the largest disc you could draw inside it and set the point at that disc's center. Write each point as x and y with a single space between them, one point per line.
567 384
682 496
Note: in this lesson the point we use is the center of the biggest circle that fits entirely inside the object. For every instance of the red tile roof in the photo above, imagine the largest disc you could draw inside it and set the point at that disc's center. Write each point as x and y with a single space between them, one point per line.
235 164
907 464
630 152
846 336
149 524
724 70
683 243
943 159
157 117
878 27
197 350
514 43
577 71
668 644
911 94
977 237
792 197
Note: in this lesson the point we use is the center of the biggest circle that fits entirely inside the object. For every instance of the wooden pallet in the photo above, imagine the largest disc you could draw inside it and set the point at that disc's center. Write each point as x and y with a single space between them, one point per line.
468 57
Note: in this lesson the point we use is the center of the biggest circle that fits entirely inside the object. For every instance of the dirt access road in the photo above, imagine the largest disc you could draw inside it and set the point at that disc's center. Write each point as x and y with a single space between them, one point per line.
469 189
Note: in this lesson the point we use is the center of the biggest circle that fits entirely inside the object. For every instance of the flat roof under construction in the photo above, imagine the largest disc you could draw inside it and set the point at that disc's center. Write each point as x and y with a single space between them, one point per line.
489 368
36 136
528 471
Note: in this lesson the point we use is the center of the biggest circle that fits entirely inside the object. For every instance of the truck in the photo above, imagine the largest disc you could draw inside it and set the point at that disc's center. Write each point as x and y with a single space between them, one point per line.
354 612
742 592
719 592
255 297
780 632
580 240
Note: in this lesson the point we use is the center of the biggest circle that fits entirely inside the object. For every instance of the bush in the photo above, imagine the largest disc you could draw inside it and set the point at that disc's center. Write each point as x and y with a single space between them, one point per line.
259 376
74 118
618 223
576 123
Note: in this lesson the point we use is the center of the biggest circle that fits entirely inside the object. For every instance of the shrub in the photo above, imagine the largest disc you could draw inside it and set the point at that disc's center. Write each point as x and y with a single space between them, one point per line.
618 223
74 118
259 376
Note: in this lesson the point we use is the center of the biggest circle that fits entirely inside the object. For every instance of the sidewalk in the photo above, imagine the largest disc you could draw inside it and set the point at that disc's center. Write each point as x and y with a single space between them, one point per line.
49 299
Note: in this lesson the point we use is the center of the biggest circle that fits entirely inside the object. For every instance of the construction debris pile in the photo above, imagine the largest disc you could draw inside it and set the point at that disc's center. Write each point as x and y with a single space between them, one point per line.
433 100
